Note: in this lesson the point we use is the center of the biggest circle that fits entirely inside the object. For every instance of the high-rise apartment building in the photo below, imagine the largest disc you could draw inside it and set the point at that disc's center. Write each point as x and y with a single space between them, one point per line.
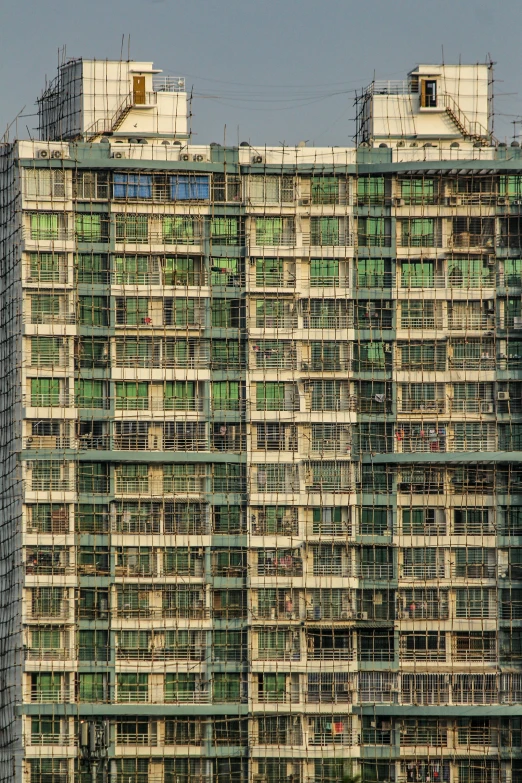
261 426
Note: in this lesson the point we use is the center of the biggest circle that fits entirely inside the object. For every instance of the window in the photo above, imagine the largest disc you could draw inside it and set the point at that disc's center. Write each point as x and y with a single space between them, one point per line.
328 231
226 187
44 183
46 391
370 191
226 395
324 272
92 687
181 229
474 272
510 186
373 273
90 393
181 687
49 475
275 231
326 356
189 187
136 269
226 687
375 521
133 395
422 356
180 270
92 227
93 477
420 232
418 274
225 231
92 518
328 477
93 646
374 232
225 354
274 313
93 311
132 228
132 687
418 191
134 186
428 93
183 478
271 190
47 225
180 395
327 314
92 268
270 396
89 185
132 311
47 268
327 395
325 190
370 356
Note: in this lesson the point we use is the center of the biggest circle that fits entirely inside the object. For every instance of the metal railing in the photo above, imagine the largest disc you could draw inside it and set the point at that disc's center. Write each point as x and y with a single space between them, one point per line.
168 83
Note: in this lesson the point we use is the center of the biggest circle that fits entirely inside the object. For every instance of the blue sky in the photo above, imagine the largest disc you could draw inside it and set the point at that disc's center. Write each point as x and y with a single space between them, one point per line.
264 71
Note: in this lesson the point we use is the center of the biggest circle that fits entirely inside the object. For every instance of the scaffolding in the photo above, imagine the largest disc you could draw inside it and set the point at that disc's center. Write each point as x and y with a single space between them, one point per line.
262 429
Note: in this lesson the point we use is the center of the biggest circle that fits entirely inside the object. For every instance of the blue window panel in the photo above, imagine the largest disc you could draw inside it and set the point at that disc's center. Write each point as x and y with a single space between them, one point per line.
132 186
189 188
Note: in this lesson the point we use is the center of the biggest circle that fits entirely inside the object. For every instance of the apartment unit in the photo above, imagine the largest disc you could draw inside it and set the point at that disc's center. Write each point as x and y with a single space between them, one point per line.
261 434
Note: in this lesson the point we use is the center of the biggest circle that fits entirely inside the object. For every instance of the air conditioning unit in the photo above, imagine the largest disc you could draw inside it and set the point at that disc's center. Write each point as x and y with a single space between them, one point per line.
517 202
185 156
502 202
58 154
257 159
199 158
503 396
491 261
399 202
455 201
517 322
118 154
487 407
44 154
304 202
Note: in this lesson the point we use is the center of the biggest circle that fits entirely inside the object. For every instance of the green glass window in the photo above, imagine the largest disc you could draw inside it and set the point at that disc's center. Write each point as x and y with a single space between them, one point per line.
471 272
92 687
226 395
93 477
226 313
511 186
224 271
180 687
269 271
133 687
183 478
132 395
47 267
228 478
513 272
46 687
45 391
180 395
92 227
46 352
324 272
227 687
47 225
325 190
225 354
419 232
92 268
228 519
274 231
418 191
181 229
374 521
92 518
132 228
132 310
418 274
225 231
372 273
90 393
270 396
179 270
325 231
369 356
133 478
370 190
272 687
132 269
94 311
373 232
325 356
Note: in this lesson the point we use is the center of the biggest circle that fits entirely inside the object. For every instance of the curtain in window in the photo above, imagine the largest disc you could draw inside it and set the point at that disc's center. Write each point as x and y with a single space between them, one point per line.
418 274
180 687
190 187
132 186
132 395
131 269
325 231
179 229
90 228
179 271
89 393
225 395
325 190
269 231
418 232
418 191
370 190
45 391
224 231
227 687
324 271
270 396
91 687
370 273
46 267
47 225
180 395
94 311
